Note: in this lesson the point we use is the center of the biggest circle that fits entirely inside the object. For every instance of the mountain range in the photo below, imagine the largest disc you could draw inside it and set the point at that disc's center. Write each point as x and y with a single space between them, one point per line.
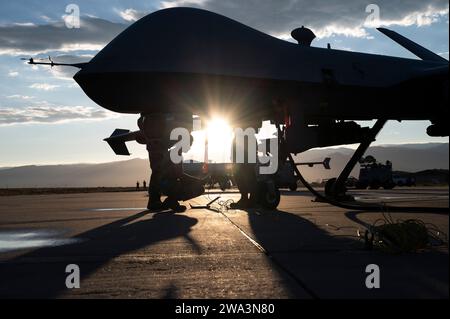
408 158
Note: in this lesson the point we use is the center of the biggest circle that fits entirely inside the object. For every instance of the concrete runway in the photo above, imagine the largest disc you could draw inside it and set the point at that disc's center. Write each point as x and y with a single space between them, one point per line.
303 250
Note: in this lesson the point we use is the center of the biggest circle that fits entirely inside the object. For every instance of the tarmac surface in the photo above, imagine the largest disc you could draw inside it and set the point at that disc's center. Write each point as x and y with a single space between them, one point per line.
305 249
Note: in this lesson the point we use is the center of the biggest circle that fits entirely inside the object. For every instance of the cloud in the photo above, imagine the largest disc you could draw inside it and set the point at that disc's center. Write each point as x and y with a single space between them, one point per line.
25 24
47 19
50 114
324 17
444 55
131 15
20 97
13 73
182 3
25 39
43 86
429 16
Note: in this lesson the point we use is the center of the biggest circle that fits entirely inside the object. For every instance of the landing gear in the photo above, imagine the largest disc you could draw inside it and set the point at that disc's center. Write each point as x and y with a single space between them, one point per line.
329 187
268 195
389 185
375 185
336 187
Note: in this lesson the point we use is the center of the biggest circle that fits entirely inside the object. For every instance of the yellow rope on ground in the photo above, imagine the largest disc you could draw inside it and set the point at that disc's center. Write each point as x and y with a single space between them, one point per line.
401 236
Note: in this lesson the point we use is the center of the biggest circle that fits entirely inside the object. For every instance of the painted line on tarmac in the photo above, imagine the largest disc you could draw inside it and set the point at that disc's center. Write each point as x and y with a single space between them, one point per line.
115 209
274 260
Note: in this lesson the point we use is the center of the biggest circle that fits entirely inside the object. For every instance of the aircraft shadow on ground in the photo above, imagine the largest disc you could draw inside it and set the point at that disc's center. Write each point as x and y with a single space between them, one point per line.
285 236
331 265
41 273
302 254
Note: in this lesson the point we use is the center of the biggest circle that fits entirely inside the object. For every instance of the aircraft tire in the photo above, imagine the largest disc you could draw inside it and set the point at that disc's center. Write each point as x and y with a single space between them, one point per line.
329 186
267 198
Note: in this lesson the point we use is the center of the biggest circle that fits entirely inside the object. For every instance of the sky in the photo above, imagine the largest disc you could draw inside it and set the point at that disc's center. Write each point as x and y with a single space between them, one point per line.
45 118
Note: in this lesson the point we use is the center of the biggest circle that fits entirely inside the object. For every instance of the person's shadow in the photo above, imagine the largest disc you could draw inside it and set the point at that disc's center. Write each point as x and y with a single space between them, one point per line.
41 273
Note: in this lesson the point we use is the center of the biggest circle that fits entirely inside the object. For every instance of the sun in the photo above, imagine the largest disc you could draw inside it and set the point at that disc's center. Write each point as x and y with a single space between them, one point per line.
217 128
213 143
219 135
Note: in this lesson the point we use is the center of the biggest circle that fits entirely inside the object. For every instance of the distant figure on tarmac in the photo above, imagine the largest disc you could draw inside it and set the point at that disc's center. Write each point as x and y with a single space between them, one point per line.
144 184
137 186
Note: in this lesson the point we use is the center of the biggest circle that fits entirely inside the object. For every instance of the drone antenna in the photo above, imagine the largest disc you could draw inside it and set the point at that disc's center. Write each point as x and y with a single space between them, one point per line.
52 63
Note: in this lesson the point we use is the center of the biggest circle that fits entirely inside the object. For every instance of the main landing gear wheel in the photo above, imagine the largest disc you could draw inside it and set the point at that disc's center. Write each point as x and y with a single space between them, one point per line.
389 185
268 195
330 188
338 191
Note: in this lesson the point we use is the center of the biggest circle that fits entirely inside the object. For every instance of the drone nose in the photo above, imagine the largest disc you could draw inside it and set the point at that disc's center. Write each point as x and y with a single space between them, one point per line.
78 77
